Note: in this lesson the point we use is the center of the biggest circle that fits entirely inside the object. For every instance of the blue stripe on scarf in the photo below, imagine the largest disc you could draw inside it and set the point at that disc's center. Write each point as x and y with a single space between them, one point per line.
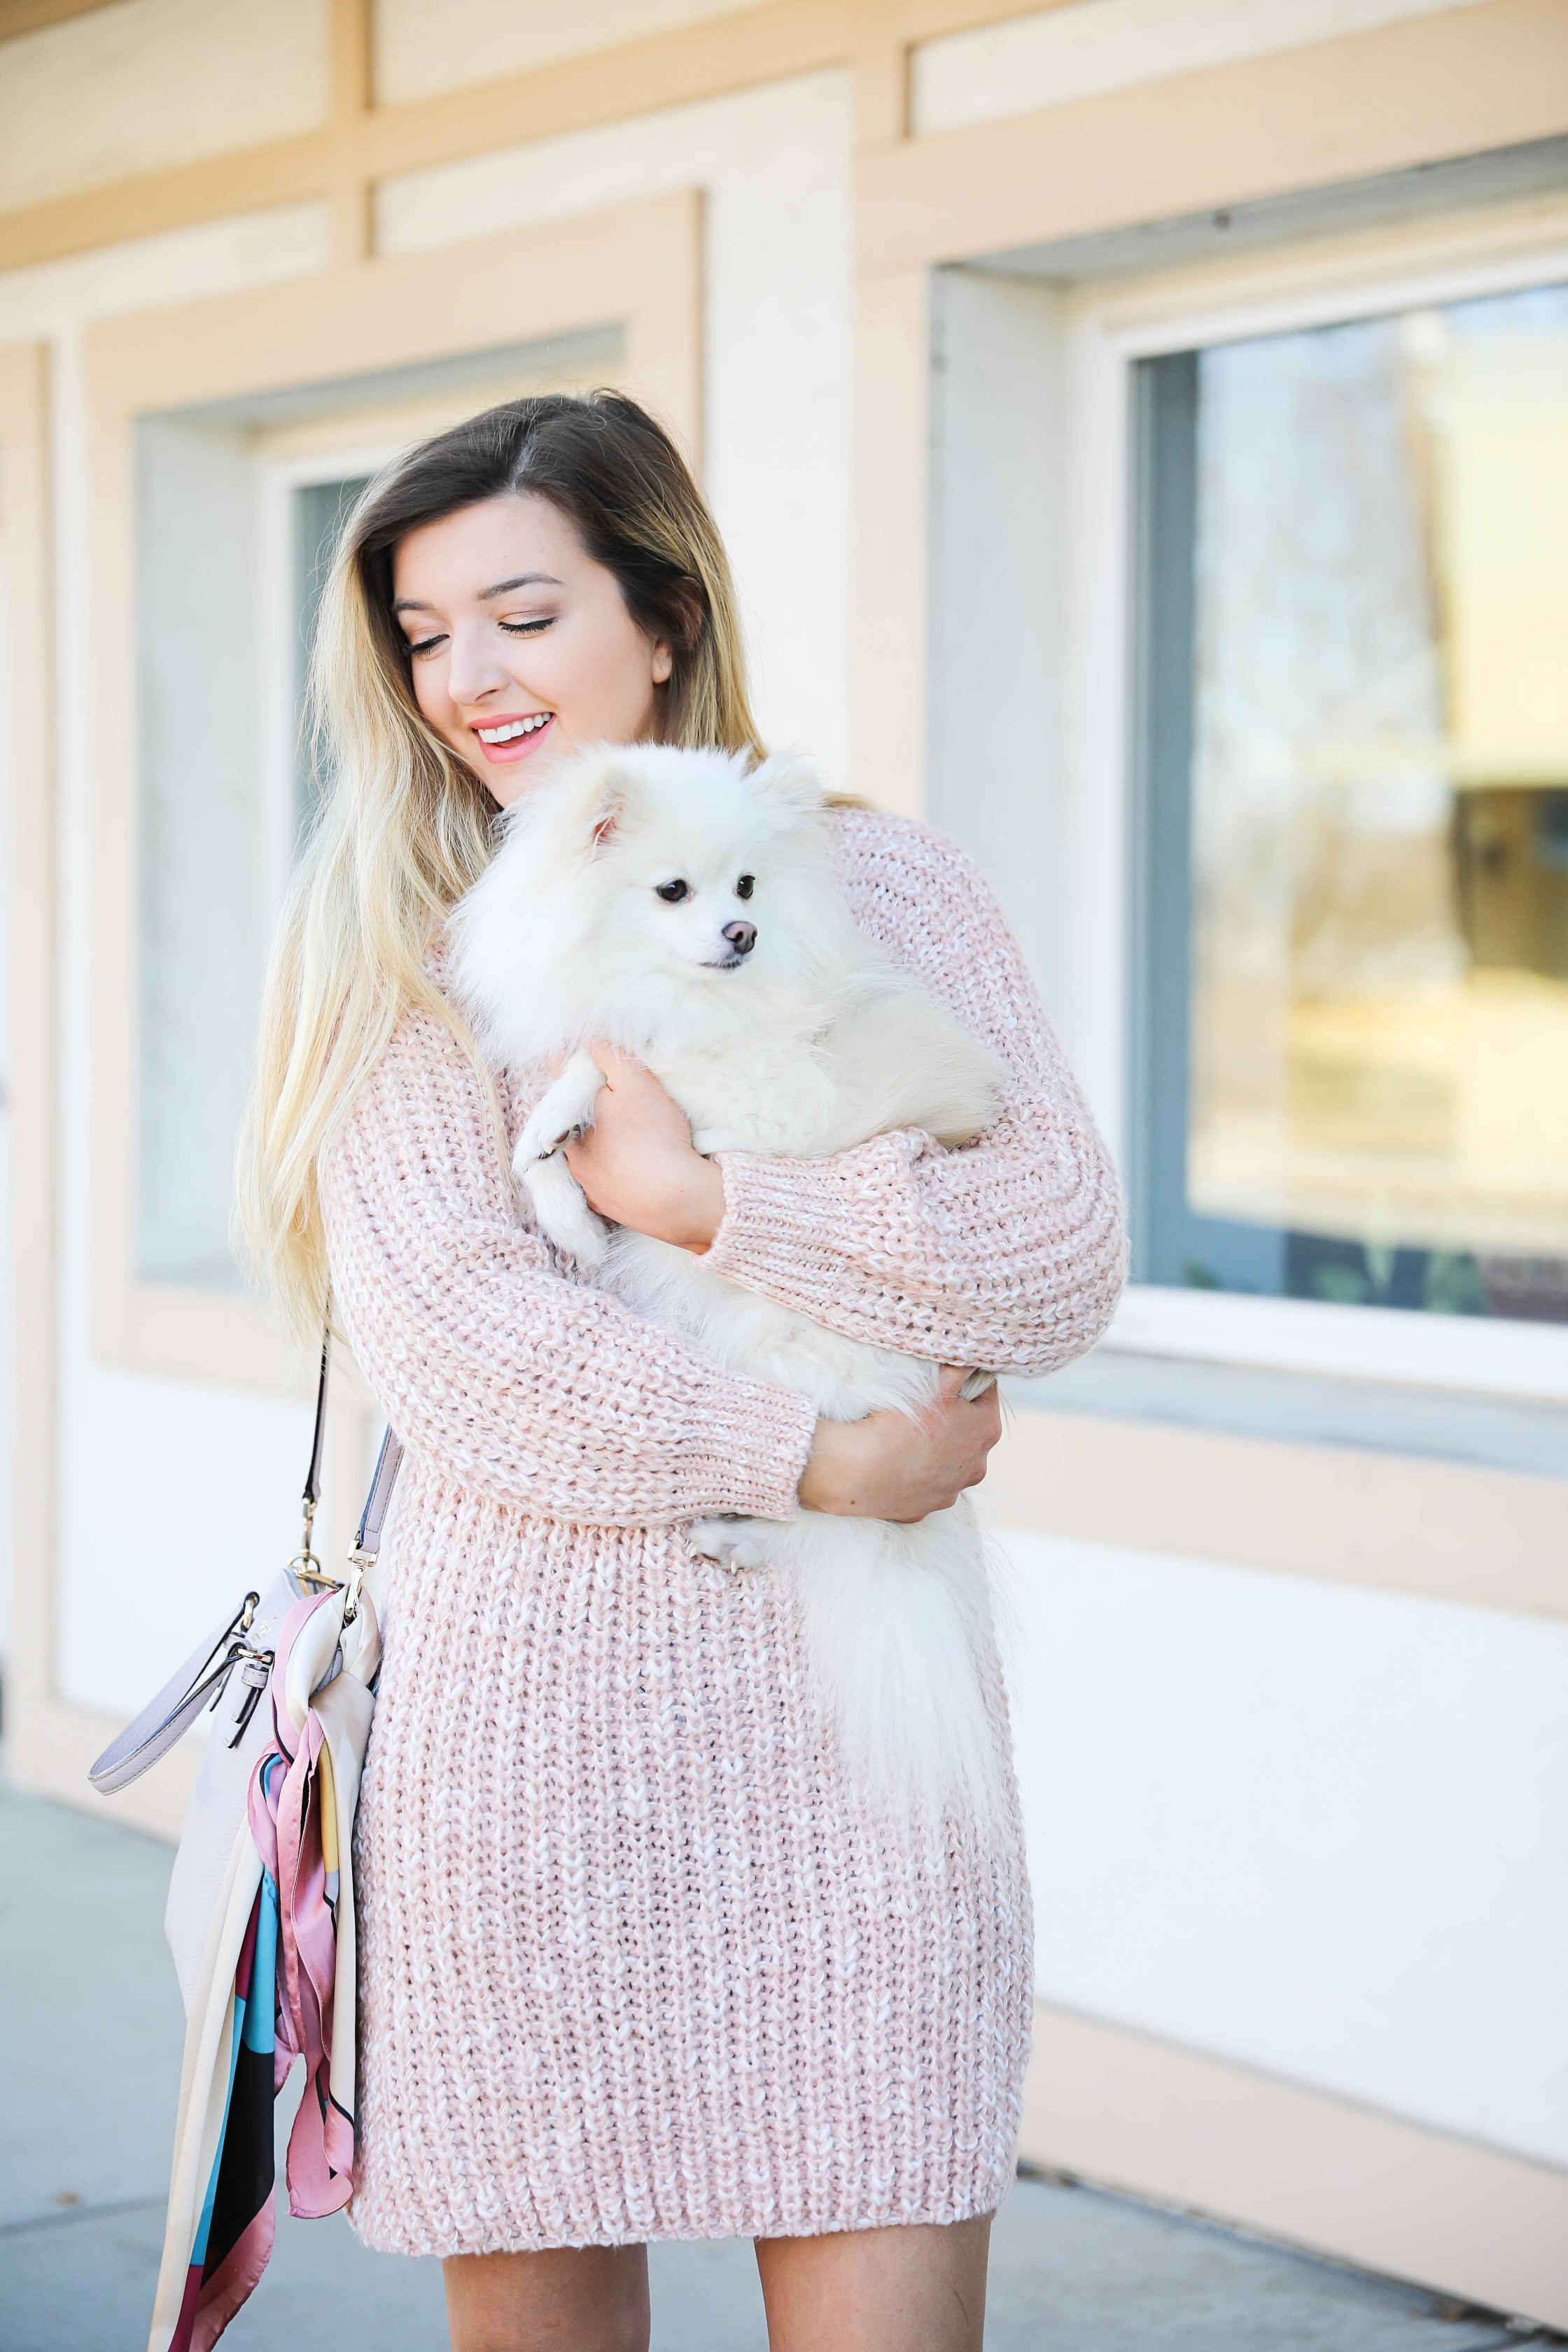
253 2025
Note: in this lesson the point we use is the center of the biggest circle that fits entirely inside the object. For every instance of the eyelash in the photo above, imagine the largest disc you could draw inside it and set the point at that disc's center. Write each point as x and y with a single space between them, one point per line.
512 628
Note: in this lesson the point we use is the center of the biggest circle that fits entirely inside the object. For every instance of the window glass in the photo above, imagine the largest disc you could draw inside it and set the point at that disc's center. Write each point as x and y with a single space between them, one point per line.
320 512
1353 897
207 822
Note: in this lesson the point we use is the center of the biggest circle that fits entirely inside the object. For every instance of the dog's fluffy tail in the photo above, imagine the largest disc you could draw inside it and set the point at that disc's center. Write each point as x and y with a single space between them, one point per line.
897 1621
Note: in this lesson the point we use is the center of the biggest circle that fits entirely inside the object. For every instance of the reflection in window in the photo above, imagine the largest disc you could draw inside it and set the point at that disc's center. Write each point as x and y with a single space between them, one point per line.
206 877
319 512
1354 771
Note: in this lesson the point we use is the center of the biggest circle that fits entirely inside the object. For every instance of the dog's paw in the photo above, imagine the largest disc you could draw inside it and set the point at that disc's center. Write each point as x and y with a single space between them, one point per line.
733 1544
561 1212
542 1133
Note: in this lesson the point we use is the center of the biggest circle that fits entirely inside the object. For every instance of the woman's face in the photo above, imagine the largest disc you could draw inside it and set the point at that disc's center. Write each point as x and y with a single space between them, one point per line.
519 642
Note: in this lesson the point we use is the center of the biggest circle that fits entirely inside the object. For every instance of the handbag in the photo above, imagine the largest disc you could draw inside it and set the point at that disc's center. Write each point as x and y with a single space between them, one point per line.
260 1915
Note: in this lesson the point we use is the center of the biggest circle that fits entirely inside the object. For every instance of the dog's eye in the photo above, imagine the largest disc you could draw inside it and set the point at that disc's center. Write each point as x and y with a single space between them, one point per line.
745 885
672 893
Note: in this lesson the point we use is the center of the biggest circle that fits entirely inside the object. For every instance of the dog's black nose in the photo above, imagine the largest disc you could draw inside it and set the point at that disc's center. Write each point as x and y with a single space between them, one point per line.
742 936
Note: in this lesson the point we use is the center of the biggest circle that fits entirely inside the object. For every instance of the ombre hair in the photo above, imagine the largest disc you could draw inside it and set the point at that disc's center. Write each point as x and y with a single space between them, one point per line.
405 826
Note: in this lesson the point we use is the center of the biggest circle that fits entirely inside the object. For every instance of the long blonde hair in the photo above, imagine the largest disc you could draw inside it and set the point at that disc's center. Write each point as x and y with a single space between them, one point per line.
405 826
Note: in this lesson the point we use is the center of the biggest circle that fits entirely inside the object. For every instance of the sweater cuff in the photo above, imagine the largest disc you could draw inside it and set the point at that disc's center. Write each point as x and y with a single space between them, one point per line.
760 1455
784 1223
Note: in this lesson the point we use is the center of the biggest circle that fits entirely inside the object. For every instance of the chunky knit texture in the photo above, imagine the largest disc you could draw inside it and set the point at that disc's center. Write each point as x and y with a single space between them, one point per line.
635 1962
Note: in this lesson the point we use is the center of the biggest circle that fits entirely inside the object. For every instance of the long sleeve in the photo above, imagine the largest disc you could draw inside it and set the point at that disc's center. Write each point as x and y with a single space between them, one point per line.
521 1384
1009 1253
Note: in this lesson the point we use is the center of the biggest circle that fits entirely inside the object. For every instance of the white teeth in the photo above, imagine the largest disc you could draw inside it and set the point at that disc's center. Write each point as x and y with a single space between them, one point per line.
513 728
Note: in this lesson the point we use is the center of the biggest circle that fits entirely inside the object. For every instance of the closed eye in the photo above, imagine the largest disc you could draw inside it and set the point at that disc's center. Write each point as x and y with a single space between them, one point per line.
745 885
672 893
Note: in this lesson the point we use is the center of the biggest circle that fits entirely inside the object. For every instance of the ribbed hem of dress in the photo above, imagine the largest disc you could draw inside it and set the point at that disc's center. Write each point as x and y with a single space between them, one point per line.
984 2195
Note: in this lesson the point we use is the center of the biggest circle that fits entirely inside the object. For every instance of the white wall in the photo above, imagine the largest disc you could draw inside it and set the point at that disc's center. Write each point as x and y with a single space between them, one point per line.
1313 1829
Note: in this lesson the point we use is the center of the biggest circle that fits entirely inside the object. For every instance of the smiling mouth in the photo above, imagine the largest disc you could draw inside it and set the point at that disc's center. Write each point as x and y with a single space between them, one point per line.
513 730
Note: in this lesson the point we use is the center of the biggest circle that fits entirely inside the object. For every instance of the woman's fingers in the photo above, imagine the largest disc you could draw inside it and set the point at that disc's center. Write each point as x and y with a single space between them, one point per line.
889 1466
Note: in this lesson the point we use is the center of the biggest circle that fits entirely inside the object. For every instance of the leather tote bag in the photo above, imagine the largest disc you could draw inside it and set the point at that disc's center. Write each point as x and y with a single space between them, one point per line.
260 1915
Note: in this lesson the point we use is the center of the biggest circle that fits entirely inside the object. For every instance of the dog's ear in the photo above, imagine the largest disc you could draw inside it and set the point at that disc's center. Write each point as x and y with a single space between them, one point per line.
789 782
601 802
611 809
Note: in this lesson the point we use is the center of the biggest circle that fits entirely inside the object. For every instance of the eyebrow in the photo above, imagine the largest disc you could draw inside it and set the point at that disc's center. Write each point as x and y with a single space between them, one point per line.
500 588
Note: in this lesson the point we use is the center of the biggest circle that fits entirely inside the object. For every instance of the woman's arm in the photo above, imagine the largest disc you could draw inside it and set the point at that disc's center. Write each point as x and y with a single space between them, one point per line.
523 1384
538 1390
1009 1253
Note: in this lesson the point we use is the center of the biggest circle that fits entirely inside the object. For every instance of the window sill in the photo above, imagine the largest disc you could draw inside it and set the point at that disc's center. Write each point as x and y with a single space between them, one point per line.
1474 1355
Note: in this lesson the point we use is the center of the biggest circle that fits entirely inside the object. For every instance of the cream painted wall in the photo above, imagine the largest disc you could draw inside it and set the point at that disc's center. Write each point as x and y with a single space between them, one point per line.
1064 53
169 1493
149 1472
147 83
425 46
773 165
1313 1829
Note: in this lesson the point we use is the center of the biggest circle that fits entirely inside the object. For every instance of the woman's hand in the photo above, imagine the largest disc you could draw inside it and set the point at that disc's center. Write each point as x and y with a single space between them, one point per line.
889 1466
636 1162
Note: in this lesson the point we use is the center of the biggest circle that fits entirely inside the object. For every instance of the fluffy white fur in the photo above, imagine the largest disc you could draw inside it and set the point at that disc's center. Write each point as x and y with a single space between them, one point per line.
806 1043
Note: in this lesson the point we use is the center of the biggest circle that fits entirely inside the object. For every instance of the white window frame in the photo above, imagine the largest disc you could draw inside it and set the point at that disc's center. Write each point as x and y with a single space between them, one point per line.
1110 328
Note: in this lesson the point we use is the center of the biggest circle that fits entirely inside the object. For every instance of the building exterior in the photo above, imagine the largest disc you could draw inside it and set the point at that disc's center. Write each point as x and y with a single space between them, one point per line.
1140 430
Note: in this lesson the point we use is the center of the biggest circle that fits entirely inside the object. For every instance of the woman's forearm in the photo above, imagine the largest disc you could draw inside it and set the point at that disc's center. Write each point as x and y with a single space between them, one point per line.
523 1385
889 1466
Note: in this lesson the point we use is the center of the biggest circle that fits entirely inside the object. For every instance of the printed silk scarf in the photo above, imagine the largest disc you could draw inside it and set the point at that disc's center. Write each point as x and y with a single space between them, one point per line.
288 1994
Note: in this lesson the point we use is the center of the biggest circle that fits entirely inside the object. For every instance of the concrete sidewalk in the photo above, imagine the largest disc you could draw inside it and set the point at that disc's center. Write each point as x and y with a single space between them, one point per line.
90 2056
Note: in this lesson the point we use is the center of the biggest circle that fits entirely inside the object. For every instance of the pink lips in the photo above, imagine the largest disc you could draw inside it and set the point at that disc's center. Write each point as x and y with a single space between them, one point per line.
504 755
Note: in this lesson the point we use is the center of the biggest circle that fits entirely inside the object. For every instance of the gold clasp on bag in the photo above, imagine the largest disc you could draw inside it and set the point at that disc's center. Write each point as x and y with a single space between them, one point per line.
306 1566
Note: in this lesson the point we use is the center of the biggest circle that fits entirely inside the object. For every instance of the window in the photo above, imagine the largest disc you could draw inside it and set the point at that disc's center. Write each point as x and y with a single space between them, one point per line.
239 503
317 511
1351 1060
219 834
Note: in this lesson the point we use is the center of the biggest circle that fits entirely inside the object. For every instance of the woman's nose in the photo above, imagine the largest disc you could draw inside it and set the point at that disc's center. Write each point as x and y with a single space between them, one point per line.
742 936
474 668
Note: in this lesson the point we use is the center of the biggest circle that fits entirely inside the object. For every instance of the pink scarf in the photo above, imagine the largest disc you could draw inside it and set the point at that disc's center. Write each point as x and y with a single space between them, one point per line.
290 1787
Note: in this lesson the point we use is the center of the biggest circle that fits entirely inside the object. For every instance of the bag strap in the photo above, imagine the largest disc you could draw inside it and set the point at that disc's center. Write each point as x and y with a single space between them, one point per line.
388 1462
201 1680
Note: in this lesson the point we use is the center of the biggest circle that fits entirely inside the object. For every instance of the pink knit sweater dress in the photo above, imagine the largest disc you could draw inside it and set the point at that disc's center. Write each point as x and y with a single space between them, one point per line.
634 1961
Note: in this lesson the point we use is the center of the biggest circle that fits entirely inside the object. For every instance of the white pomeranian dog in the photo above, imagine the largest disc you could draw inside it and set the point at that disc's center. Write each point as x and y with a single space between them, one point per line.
689 912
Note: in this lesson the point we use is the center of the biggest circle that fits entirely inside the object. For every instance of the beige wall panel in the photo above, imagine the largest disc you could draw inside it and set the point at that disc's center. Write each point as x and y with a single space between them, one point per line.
150 83
425 46
208 260
1053 55
708 60
1194 2131
1444 1530
888 717
1486 76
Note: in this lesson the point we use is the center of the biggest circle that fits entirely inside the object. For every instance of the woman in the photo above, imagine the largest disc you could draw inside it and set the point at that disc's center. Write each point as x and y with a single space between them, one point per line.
636 1963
